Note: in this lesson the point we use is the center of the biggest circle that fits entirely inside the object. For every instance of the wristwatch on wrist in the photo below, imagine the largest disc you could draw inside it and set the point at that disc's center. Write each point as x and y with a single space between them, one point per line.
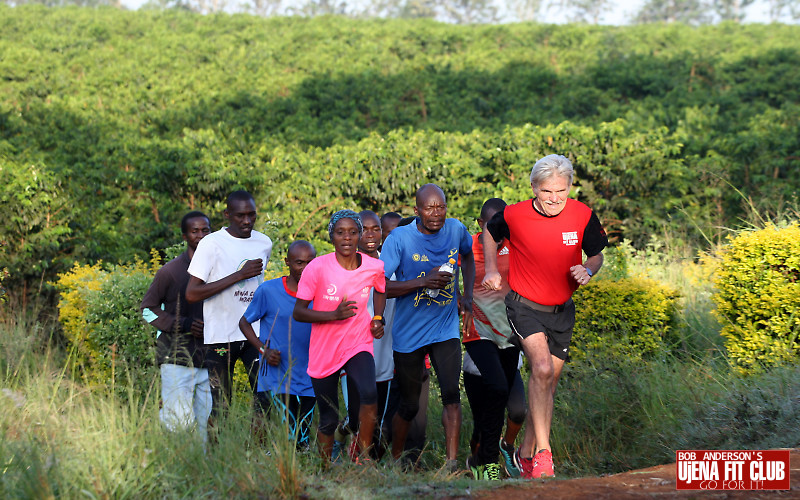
379 318
588 271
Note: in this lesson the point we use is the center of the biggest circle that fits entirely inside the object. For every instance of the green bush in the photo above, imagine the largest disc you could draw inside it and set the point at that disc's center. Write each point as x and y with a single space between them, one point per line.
99 312
123 341
34 221
100 316
758 297
623 321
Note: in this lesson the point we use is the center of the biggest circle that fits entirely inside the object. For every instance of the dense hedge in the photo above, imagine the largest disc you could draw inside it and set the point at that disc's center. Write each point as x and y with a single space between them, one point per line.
132 118
758 297
623 321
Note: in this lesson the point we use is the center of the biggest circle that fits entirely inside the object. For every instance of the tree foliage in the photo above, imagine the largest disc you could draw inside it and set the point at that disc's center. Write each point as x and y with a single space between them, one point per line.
780 9
116 123
584 11
672 11
526 10
731 10
470 11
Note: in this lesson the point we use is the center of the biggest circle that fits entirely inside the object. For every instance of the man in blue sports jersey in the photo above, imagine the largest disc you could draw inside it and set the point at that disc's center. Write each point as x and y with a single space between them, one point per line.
424 324
283 343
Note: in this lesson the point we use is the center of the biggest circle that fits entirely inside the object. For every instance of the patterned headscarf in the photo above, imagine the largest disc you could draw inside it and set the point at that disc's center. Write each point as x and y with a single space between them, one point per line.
345 214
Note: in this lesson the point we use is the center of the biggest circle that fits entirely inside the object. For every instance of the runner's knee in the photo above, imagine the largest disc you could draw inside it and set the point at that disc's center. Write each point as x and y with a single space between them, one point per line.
407 411
451 397
327 422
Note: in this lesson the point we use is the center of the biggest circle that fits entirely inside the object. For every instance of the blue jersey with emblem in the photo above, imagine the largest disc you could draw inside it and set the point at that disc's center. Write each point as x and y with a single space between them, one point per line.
420 320
273 305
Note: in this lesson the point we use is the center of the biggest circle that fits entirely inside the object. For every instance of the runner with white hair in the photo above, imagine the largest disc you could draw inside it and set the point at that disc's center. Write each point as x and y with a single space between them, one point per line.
546 236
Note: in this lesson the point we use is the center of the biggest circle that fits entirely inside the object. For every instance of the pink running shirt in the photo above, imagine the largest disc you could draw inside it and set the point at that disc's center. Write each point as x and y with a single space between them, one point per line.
326 283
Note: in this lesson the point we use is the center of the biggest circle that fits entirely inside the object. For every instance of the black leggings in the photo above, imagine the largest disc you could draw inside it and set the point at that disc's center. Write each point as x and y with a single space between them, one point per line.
498 368
409 372
383 425
476 394
361 368
517 407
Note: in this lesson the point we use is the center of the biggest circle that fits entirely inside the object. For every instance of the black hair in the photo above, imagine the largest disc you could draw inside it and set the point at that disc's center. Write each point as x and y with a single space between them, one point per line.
368 213
390 215
192 215
300 243
493 204
239 195
406 221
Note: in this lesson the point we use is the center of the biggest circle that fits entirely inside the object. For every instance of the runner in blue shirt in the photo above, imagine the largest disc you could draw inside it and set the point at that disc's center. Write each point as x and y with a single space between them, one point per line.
283 343
424 324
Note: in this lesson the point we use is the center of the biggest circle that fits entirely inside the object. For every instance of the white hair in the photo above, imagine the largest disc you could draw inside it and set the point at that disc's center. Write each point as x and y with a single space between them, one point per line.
549 166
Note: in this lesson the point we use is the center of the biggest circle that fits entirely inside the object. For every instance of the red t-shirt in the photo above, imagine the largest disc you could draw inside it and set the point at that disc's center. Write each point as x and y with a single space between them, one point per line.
543 248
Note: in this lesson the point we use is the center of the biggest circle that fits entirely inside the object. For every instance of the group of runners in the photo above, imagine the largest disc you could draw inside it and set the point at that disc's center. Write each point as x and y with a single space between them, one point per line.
371 318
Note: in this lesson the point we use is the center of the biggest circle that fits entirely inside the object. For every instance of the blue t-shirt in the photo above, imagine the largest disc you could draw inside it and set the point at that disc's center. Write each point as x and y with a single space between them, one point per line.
273 304
418 319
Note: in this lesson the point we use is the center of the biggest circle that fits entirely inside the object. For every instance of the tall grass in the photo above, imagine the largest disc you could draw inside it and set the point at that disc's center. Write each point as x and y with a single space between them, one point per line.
60 438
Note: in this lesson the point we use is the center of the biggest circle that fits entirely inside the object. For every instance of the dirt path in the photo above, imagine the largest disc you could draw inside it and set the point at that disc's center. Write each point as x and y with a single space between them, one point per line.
654 482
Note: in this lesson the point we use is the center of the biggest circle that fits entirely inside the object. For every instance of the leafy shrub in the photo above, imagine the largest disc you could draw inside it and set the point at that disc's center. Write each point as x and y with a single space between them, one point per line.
758 297
33 221
99 312
100 316
117 333
75 287
623 321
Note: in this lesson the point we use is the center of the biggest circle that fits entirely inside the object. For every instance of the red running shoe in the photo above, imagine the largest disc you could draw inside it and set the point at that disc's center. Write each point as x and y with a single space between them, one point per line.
525 465
542 465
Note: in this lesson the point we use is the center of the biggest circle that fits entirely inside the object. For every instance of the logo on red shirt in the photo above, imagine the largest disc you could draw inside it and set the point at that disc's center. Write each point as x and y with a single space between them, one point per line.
570 238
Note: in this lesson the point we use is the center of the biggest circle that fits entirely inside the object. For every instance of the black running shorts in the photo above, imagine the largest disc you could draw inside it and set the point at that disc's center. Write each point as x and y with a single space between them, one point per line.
557 327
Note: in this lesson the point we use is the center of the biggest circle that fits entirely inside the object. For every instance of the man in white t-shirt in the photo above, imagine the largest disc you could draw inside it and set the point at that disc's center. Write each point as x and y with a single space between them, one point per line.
226 269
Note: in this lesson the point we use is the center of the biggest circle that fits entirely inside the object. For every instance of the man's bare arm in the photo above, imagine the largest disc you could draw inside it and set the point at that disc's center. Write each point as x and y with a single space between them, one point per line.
492 279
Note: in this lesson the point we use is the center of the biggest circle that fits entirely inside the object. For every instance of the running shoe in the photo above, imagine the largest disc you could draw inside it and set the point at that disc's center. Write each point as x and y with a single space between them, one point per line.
491 472
542 465
507 451
475 470
525 465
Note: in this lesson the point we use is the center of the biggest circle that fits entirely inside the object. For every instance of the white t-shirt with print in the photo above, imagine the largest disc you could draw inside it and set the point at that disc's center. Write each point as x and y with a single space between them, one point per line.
219 255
